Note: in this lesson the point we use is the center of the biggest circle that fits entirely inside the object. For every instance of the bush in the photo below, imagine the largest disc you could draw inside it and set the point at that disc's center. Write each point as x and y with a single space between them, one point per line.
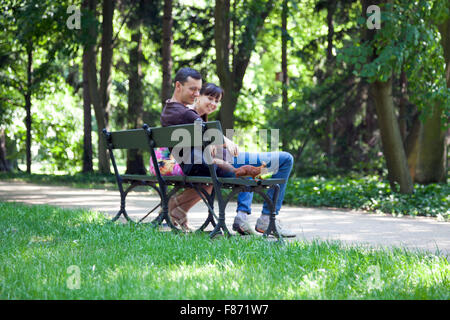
369 193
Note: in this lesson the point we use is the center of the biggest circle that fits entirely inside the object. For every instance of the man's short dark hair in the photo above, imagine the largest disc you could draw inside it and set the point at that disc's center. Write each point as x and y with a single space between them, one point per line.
184 73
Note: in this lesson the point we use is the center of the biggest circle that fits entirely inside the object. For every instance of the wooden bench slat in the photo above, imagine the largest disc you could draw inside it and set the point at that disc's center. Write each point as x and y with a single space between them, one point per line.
164 137
250 182
130 139
204 179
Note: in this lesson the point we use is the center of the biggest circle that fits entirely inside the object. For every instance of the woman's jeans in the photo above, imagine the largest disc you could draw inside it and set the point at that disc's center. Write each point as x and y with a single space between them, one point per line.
278 163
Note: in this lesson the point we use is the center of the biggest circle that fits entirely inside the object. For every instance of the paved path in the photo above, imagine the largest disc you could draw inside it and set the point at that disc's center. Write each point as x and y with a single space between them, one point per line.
350 227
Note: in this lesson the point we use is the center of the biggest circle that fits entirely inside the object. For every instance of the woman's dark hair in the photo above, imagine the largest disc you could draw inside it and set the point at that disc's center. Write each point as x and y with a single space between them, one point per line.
210 89
184 73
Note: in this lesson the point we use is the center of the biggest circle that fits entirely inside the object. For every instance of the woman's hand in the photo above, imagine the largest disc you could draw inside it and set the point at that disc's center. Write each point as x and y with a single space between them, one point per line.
232 147
213 150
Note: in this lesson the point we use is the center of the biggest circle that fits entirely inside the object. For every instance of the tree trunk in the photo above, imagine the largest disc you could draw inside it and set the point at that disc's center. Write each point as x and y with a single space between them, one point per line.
107 53
105 79
390 136
100 97
430 165
444 30
87 119
370 121
284 84
329 71
431 158
412 145
410 137
231 79
391 139
222 42
4 166
135 162
166 88
403 106
28 104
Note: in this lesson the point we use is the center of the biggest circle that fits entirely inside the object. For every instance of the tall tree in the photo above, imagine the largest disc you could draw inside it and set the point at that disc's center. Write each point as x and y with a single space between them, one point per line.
167 41
99 95
142 18
36 30
231 73
106 56
391 139
4 165
390 136
28 91
341 104
388 51
88 7
431 162
284 73
331 8
135 162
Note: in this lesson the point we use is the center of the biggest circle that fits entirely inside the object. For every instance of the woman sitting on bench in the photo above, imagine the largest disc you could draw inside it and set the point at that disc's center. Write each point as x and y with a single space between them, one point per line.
175 113
189 89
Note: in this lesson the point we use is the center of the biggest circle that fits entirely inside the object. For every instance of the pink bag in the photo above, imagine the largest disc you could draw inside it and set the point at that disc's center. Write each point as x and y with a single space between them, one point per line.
166 162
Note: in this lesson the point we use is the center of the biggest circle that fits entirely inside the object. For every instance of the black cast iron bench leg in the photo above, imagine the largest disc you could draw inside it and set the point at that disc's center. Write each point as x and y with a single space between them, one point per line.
221 225
123 195
207 199
209 202
272 228
164 214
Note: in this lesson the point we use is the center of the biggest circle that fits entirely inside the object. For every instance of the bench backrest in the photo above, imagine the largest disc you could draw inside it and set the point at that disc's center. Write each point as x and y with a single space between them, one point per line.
185 135
199 134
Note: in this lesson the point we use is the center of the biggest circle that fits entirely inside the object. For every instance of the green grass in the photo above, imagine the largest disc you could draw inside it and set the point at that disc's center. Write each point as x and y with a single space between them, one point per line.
39 244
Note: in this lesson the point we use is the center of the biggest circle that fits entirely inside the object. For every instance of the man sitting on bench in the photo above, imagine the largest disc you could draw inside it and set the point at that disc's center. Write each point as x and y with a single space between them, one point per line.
188 87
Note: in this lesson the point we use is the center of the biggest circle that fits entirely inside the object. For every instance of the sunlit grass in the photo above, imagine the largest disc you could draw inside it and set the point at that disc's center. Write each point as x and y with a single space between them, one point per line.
116 261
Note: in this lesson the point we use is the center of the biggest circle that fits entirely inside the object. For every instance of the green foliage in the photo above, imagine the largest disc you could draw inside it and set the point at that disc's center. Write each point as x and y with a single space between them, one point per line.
40 243
369 193
57 133
407 41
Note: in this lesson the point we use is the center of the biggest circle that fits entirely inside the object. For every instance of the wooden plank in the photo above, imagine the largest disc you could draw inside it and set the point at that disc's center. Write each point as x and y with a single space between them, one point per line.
130 139
186 135
205 179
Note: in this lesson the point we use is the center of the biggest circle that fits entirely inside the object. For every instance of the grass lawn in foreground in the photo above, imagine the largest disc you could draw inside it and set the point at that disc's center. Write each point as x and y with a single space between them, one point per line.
46 250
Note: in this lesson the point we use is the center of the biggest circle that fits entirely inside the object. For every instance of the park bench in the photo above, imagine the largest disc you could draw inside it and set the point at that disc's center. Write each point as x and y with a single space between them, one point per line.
148 139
